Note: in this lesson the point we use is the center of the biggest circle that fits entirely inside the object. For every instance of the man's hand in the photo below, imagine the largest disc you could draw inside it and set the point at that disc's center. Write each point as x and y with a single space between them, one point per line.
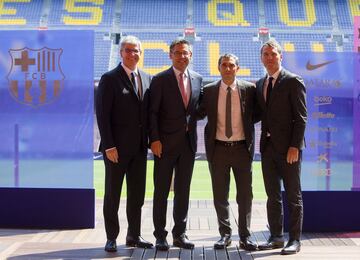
156 148
112 155
292 155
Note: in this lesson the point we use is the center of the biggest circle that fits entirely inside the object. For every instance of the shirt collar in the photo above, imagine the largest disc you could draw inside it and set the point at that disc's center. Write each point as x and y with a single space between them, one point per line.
129 71
275 75
232 85
177 73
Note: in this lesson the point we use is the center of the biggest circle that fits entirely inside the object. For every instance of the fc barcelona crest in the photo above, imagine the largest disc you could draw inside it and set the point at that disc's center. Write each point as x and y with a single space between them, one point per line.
35 76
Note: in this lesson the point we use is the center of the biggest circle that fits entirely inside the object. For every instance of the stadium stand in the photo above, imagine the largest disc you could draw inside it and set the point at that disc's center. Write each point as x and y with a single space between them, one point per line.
20 14
95 14
219 26
215 26
102 50
153 14
309 15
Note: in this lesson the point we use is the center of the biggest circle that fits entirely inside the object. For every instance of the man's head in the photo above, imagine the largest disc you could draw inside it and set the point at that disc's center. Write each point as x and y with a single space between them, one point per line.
130 51
228 65
271 56
180 54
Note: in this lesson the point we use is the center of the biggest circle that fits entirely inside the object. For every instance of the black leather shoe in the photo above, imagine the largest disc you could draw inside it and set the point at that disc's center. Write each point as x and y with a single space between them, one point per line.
183 242
162 244
223 242
110 246
138 242
248 245
272 243
292 247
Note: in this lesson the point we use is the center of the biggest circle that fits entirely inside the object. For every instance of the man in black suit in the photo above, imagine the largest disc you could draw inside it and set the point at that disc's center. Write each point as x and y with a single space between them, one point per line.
121 110
282 98
229 139
174 96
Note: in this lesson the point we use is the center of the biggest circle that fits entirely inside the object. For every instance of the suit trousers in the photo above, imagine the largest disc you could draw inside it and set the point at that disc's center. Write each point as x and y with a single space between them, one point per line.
275 168
238 159
181 163
134 168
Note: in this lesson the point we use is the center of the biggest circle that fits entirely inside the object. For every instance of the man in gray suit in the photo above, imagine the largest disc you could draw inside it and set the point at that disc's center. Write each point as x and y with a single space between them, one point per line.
281 96
174 95
229 140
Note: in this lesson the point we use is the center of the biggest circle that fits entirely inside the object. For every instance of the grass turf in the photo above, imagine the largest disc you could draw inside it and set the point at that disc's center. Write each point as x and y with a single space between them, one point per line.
200 184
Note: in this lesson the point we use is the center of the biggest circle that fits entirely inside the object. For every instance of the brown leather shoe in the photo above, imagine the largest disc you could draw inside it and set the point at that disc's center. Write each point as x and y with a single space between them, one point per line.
292 247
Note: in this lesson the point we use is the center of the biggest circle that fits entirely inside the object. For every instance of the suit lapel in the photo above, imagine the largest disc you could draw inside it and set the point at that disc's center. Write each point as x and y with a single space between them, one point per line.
144 82
261 92
125 79
277 86
174 84
242 95
215 101
194 91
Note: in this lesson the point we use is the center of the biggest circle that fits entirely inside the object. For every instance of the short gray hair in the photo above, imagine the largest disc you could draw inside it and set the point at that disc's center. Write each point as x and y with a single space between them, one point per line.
271 43
229 55
130 39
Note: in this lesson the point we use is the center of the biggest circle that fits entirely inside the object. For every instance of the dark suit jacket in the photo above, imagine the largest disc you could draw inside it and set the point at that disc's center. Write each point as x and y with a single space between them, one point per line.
209 107
286 115
121 116
169 120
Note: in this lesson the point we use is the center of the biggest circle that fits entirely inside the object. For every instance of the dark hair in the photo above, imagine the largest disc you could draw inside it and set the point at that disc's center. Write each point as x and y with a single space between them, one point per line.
229 55
179 41
271 43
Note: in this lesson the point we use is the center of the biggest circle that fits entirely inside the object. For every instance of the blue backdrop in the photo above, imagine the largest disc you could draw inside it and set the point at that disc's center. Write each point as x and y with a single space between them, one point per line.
46 109
330 148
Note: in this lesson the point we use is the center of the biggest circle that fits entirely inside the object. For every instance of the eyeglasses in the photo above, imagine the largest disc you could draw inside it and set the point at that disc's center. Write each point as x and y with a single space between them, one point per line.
128 51
180 53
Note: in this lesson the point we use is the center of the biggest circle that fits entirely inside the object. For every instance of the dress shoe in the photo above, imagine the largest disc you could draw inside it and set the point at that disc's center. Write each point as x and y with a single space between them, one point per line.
248 245
110 246
162 244
272 243
292 247
223 242
138 242
183 242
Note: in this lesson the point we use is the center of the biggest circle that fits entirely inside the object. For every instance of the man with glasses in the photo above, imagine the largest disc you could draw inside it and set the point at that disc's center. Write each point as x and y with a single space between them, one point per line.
174 95
121 110
229 139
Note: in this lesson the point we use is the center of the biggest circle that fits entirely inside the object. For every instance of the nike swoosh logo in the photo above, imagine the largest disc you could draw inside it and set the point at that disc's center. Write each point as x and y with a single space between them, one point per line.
310 66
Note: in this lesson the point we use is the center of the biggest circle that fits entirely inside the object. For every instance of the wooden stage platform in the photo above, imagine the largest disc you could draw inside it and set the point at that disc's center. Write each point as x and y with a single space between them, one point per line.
202 230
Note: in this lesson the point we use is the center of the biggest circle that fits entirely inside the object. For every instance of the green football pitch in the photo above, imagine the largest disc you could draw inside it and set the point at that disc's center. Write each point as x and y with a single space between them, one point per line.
200 184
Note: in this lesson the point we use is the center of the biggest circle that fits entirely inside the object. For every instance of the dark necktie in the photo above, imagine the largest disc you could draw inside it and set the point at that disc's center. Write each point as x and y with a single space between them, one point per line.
135 85
269 90
228 129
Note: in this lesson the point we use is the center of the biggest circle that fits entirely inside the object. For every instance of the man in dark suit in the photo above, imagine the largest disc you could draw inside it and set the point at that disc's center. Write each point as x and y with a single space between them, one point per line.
121 110
174 96
282 98
229 139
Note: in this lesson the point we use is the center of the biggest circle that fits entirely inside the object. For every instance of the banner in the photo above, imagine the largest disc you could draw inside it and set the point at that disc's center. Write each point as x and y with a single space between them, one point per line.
330 143
46 109
356 33
356 178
